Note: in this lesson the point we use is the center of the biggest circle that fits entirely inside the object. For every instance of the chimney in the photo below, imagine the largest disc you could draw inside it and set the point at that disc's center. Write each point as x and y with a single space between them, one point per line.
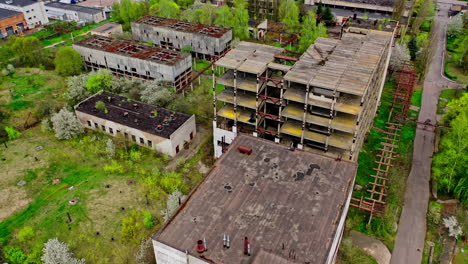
200 247
246 246
226 242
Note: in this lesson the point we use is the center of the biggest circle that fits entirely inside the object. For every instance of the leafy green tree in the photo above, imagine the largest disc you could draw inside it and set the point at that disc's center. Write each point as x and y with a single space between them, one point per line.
454 108
128 11
240 26
186 49
133 227
413 48
25 234
29 51
289 14
224 17
68 62
185 3
14 254
328 15
451 163
309 32
319 9
165 8
208 14
98 81
193 13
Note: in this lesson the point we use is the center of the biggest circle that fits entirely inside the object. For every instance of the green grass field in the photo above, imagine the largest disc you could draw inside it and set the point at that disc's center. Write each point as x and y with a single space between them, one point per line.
108 189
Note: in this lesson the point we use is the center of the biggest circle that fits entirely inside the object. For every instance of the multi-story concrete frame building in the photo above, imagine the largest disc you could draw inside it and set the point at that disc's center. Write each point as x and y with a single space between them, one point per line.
11 22
143 124
131 59
323 101
260 9
274 206
71 12
206 41
33 11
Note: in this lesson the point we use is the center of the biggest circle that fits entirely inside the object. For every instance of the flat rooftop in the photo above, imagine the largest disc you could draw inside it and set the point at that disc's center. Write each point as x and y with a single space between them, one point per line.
184 26
6 13
249 57
106 27
286 202
387 3
134 114
21 3
345 65
132 49
76 8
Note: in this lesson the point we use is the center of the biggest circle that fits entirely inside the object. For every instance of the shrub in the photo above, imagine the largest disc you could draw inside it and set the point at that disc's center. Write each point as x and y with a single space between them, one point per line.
12 133
26 233
135 155
132 227
46 125
148 220
98 81
101 106
171 182
434 212
66 125
114 167
110 148
77 88
14 254
56 252
157 93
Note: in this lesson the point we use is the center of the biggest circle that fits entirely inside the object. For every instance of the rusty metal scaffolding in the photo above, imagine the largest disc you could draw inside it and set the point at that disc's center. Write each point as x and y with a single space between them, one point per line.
375 203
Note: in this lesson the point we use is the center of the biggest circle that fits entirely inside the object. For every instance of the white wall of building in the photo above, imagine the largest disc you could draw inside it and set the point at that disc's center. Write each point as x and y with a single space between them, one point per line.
72 15
218 135
34 14
161 144
169 255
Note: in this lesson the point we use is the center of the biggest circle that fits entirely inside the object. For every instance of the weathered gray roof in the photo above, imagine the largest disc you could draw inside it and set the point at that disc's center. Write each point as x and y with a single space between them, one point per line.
348 64
283 201
249 57
76 8
6 13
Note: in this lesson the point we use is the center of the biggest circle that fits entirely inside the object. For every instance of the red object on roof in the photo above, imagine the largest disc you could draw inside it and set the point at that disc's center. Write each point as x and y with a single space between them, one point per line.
245 150
286 58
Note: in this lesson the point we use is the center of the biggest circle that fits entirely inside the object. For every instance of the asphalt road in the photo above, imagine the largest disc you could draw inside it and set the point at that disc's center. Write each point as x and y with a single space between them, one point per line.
409 243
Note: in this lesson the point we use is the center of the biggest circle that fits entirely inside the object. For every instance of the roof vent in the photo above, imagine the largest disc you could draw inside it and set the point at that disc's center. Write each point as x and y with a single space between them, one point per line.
125 114
244 150
159 127
135 106
166 122
173 116
200 247
135 120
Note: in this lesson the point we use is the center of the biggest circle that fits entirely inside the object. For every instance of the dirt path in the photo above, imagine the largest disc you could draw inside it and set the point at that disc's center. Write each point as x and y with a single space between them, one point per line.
409 243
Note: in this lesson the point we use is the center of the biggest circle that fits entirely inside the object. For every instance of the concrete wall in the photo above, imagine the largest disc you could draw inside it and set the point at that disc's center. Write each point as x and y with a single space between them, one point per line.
11 23
147 68
34 14
218 134
71 15
182 135
200 43
163 145
169 255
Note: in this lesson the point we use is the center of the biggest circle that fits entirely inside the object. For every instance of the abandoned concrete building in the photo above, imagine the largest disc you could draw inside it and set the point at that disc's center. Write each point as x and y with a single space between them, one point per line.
260 9
261 203
146 125
323 101
131 59
375 9
205 41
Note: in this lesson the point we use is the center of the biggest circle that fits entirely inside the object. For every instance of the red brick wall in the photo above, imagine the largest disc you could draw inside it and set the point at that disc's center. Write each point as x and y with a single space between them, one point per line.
12 21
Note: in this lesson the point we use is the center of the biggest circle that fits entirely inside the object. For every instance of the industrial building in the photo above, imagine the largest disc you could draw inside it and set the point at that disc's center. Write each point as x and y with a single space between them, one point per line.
205 41
261 203
71 12
375 9
11 23
323 101
146 125
260 9
33 11
131 59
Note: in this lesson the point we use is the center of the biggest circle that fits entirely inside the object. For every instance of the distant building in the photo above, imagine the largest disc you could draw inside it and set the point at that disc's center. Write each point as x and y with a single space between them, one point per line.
71 12
11 23
258 9
372 9
109 29
33 11
205 41
456 9
262 204
131 59
147 125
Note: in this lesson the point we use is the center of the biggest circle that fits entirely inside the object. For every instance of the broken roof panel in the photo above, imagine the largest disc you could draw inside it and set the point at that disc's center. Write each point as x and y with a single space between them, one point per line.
184 26
132 49
282 200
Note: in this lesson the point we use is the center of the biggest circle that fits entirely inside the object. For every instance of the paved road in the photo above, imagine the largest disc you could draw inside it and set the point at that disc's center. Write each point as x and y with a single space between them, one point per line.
409 242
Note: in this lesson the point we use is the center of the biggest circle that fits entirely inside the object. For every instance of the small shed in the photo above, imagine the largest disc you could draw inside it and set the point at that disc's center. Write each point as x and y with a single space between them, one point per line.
109 29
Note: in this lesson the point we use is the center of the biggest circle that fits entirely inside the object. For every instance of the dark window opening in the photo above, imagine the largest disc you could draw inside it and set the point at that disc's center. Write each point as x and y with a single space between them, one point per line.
89 123
191 135
103 127
126 134
111 130
133 138
142 141
177 149
96 125
150 144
